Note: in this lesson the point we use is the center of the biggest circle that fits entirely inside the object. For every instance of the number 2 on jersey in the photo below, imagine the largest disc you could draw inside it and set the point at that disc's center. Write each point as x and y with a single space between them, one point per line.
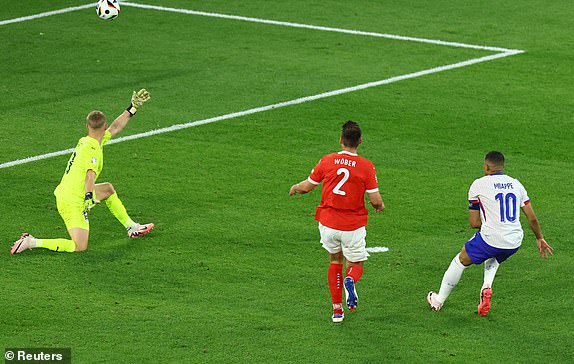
507 206
337 190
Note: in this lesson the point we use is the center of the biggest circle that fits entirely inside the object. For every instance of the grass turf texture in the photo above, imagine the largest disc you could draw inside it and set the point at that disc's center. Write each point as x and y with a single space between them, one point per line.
233 271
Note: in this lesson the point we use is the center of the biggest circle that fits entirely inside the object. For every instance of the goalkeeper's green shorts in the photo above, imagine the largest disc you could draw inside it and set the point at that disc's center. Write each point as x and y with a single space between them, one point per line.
73 214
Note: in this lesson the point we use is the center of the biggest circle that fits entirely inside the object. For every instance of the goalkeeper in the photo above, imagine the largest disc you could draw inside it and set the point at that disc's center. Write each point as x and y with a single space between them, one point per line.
78 191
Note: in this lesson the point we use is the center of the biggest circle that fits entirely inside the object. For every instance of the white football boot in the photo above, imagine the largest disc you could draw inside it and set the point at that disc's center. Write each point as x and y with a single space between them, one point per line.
137 230
433 302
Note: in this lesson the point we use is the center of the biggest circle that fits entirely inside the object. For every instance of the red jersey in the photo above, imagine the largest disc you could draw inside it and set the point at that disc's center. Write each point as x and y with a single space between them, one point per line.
346 177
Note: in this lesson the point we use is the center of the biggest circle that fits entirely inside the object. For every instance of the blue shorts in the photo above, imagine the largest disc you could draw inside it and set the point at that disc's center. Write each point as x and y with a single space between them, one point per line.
479 251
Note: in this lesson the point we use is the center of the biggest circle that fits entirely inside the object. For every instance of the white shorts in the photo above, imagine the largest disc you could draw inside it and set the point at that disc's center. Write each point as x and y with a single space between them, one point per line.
352 243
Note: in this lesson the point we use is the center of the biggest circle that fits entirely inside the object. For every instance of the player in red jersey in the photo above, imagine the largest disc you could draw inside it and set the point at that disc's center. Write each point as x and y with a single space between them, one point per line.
342 215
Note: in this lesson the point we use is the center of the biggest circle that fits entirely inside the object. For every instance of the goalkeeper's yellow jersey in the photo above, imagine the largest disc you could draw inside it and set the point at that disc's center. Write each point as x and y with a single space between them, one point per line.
88 154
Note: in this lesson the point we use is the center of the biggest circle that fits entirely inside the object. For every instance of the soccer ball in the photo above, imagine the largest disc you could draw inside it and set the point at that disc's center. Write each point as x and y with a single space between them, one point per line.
108 9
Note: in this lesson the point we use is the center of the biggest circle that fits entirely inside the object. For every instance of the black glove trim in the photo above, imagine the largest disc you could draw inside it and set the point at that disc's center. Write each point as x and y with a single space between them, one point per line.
131 109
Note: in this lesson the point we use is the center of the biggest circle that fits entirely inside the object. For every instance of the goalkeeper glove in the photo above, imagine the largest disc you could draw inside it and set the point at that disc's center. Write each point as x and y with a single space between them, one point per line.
89 201
138 99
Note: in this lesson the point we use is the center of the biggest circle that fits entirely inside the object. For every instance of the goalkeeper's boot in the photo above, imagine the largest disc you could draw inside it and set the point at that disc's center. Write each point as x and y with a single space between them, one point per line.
433 302
22 244
138 230
338 314
351 293
484 305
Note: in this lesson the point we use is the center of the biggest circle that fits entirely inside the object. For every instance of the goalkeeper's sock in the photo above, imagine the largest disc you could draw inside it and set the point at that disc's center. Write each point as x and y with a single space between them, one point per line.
119 211
355 272
451 278
57 245
336 282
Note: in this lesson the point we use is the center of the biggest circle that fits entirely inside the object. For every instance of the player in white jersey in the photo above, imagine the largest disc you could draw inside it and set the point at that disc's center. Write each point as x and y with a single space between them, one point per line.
495 201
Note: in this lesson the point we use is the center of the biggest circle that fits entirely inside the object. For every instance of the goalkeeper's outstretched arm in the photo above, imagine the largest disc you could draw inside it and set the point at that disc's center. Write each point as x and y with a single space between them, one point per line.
138 99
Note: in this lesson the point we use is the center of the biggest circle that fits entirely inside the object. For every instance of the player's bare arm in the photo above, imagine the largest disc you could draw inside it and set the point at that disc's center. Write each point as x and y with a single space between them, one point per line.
474 219
301 188
120 123
138 99
90 199
90 181
543 246
376 201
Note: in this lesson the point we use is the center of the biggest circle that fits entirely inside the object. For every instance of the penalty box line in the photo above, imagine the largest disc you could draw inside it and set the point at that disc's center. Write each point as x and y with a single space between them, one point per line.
270 107
322 28
45 14
271 22
504 52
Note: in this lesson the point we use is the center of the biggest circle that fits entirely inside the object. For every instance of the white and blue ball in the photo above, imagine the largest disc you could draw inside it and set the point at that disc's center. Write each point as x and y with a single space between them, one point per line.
108 9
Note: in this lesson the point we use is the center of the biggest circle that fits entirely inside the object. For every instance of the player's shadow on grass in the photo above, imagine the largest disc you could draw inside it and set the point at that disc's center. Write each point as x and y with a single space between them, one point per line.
118 248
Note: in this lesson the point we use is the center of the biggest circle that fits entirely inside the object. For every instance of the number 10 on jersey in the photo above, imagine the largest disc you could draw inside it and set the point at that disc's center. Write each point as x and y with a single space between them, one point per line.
508 208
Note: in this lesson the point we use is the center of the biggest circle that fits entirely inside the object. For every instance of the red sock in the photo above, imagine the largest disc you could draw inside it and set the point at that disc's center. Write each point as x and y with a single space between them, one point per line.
336 282
355 272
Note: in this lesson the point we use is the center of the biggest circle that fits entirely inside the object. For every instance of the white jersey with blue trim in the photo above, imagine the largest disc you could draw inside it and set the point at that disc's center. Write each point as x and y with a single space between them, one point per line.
499 198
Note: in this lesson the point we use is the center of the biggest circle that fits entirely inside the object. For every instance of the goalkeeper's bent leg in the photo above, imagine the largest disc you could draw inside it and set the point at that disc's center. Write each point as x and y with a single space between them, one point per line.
118 210
57 245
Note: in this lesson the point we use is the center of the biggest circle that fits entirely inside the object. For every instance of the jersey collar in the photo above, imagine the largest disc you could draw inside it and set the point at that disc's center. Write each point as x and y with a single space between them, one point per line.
349 153
497 174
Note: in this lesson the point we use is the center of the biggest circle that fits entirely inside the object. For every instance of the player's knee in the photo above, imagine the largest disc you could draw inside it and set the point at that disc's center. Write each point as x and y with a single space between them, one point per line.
81 248
355 263
104 190
337 258
464 258
81 245
110 188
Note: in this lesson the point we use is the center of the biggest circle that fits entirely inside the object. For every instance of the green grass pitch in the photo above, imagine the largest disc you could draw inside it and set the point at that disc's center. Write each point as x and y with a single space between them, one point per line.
233 272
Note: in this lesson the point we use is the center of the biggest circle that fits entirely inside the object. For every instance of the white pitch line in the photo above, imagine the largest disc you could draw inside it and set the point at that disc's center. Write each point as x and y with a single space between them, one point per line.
315 27
271 107
504 53
377 249
18 162
272 22
48 13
